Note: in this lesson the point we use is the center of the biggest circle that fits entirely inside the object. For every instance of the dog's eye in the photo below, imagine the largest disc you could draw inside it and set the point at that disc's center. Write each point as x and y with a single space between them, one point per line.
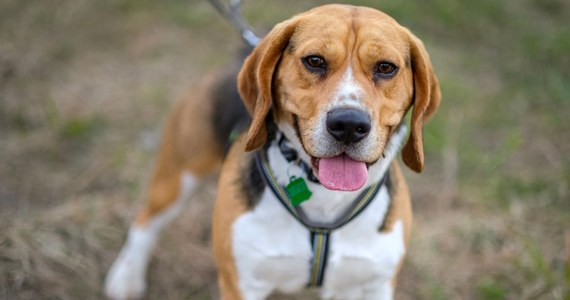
385 70
315 63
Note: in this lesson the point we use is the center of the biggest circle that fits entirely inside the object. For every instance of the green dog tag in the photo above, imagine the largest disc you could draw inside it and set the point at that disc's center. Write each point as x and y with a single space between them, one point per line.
297 190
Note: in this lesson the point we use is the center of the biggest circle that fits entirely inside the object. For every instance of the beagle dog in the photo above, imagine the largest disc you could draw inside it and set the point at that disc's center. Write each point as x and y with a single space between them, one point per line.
323 101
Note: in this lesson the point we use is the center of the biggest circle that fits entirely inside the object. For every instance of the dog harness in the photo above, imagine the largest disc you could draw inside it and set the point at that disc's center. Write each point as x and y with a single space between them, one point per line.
319 232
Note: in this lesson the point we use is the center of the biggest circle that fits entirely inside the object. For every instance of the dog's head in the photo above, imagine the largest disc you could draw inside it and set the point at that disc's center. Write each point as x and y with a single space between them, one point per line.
341 79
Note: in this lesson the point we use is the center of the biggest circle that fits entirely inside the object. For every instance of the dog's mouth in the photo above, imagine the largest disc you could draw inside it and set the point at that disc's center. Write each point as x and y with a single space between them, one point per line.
340 172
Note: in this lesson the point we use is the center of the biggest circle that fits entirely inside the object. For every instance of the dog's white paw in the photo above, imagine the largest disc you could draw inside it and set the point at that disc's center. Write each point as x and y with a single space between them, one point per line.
126 278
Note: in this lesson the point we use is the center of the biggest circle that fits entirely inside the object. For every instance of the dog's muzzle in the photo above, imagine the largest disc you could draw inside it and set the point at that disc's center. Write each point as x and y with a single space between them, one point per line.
348 126
341 172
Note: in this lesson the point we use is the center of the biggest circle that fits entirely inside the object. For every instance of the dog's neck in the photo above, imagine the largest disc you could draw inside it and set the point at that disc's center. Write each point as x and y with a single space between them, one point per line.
326 205
292 156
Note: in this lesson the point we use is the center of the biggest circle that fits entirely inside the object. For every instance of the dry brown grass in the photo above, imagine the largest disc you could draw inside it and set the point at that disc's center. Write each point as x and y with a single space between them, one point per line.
84 86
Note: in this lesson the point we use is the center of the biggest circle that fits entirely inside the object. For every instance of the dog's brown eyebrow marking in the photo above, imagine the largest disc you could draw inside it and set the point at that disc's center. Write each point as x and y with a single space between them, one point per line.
329 38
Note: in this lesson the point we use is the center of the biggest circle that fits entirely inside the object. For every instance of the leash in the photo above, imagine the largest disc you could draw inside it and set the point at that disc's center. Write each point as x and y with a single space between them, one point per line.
233 14
319 232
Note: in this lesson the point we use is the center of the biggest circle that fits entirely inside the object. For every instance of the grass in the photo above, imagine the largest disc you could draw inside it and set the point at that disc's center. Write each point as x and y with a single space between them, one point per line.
85 85
492 290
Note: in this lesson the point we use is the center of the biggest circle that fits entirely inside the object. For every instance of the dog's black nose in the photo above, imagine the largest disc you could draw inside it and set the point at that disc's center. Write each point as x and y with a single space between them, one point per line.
348 125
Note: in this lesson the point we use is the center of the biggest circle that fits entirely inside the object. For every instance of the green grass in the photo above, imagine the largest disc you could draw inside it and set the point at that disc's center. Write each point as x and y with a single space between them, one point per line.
490 289
80 128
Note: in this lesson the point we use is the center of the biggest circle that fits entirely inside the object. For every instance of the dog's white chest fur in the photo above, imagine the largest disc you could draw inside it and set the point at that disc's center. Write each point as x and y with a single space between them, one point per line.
272 250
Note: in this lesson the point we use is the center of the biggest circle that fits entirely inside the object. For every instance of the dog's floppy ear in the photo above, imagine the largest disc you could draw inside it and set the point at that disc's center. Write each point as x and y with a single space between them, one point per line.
255 80
427 96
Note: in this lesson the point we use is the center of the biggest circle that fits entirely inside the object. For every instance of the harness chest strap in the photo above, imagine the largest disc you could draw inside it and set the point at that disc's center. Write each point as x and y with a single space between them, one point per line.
320 246
319 232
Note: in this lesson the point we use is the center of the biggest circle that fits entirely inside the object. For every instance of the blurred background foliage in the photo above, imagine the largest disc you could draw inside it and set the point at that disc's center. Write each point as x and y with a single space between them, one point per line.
85 85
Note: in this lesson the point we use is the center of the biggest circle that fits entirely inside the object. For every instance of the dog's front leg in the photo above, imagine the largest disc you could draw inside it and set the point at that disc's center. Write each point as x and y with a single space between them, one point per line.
126 278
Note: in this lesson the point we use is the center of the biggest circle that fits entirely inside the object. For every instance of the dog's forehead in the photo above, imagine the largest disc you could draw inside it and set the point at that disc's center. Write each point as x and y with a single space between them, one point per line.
341 11
339 25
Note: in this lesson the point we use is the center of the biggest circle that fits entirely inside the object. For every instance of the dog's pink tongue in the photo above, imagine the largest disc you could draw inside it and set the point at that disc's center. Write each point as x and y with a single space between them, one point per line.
342 173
